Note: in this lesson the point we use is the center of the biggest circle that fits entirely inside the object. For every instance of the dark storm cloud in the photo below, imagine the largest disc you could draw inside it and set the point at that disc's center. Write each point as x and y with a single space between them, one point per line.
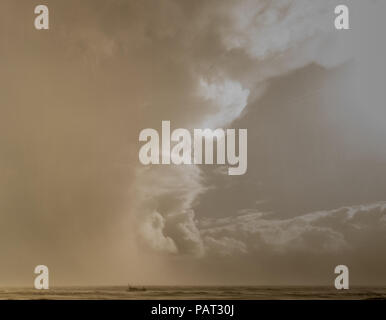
74 99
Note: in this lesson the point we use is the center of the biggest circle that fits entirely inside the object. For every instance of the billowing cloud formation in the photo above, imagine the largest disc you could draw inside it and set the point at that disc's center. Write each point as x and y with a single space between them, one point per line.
270 29
165 211
278 37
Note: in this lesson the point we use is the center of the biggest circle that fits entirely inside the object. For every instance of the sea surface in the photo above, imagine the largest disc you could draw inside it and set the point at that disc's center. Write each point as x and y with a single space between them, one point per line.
193 292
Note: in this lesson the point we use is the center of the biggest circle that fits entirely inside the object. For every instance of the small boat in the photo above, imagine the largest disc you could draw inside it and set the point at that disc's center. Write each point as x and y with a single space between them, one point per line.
135 288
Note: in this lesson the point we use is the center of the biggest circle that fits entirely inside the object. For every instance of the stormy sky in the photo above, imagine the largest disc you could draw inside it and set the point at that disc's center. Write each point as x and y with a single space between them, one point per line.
73 99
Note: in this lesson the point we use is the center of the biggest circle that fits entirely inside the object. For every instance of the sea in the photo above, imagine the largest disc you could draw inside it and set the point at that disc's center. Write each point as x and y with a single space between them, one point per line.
193 293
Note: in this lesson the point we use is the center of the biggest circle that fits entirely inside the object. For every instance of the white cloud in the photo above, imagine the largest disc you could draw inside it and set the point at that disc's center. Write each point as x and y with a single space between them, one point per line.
278 37
229 99
324 231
